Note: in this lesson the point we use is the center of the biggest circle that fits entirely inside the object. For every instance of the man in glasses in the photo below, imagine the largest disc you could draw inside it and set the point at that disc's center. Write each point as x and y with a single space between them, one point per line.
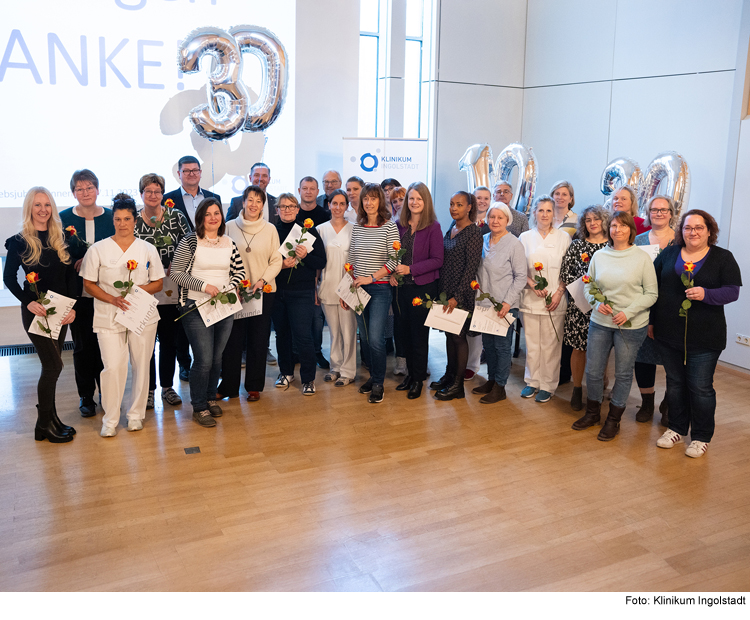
90 223
187 197
504 193
331 182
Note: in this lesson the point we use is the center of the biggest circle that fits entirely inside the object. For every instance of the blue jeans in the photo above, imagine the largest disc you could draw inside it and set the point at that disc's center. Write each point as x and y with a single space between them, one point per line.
372 338
497 350
690 390
208 346
626 343
293 313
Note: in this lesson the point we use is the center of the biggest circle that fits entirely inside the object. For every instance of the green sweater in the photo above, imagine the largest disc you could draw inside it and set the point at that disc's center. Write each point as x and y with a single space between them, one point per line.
627 278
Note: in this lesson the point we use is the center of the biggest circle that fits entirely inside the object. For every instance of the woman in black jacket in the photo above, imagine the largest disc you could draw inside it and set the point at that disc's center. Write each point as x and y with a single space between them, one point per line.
691 339
40 250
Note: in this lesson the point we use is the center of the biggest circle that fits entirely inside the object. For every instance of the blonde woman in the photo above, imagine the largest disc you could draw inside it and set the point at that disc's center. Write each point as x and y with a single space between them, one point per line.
40 250
564 197
626 200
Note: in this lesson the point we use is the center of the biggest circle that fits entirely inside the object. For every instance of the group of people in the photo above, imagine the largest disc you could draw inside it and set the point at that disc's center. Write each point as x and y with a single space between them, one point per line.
385 244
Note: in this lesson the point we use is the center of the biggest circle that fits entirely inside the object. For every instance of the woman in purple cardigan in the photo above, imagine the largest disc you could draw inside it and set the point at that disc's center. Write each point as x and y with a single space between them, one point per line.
419 271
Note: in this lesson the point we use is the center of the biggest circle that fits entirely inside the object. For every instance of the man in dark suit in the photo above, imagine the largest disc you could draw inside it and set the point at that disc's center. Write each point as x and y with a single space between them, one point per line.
189 195
331 182
260 175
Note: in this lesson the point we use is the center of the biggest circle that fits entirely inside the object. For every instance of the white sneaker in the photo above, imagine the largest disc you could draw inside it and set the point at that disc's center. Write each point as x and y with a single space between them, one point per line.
283 381
135 425
308 389
669 439
108 431
400 368
696 449
342 381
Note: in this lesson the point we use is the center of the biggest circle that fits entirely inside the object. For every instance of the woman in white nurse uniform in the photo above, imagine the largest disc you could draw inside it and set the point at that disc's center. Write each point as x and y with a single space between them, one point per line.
105 263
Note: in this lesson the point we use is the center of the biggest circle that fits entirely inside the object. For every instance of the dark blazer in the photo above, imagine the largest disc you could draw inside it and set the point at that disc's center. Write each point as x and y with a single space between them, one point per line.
179 203
235 206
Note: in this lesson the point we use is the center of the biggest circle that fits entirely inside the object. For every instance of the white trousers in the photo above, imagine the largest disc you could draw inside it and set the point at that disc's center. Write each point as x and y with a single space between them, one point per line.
475 353
543 350
115 353
343 327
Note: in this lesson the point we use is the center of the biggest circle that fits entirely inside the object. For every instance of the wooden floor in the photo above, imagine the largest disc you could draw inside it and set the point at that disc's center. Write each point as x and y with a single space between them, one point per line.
331 493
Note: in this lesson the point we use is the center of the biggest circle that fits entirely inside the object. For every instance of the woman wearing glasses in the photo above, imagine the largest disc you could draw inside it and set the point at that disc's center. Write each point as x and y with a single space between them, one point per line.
690 345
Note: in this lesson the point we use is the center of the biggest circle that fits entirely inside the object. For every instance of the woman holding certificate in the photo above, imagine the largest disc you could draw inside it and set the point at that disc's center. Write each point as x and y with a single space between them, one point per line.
258 243
40 250
206 263
110 271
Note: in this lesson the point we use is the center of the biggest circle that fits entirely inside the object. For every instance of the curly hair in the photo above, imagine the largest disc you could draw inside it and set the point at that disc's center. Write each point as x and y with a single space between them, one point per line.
599 212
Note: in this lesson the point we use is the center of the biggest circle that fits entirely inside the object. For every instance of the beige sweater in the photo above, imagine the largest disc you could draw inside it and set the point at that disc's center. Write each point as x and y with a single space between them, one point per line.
264 260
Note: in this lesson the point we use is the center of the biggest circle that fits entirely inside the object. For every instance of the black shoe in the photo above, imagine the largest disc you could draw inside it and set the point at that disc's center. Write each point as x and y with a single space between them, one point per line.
322 361
405 384
184 374
57 423
376 396
46 430
494 396
455 390
485 388
646 410
366 387
415 390
87 407
442 382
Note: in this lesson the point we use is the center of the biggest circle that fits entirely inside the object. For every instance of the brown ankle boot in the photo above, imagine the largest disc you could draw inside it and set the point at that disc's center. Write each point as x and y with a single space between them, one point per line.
591 417
485 388
611 424
495 396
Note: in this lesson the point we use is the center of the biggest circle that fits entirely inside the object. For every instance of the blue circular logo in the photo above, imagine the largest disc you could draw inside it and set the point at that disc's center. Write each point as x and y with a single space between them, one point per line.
364 166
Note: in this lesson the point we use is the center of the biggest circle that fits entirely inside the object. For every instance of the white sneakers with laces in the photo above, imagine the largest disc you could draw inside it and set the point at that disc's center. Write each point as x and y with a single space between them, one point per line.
669 439
696 449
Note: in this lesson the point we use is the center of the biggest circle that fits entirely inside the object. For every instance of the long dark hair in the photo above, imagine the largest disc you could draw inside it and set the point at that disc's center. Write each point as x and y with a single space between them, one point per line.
200 215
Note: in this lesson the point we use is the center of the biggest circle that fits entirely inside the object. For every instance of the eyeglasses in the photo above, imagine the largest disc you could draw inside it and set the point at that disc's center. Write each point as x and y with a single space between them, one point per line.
191 171
331 182
698 229
660 211
503 192
149 192
287 207
84 190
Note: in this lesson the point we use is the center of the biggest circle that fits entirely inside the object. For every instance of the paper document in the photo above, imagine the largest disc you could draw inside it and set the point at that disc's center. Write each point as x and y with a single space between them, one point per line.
292 238
351 299
652 250
577 292
452 323
139 313
62 306
254 307
169 292
212 314
485 320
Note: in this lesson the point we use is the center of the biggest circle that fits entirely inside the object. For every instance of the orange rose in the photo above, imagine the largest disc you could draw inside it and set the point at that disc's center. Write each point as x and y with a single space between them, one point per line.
586 279
474 285
585 257
348 267
169 203
267 288
689 267
538 266
33 277
132 265
417 301
245 283
308 223
71 229
396 246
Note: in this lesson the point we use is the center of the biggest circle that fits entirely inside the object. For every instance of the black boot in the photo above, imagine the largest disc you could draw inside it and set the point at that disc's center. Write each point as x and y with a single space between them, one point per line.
611 424
590 418
664 410
45 429
441 383
485 388
576 401
63 427
405 384
415 390
646 410
454 390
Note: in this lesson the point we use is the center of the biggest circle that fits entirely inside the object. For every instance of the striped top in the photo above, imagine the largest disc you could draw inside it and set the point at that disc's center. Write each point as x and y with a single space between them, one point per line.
182 266
370 247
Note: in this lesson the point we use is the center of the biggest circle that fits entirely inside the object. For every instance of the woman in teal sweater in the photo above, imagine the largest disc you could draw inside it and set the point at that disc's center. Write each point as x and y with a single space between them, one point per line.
626 278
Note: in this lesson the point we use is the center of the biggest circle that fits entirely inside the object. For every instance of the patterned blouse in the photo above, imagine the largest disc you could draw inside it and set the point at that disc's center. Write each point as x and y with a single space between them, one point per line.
175 225
460 265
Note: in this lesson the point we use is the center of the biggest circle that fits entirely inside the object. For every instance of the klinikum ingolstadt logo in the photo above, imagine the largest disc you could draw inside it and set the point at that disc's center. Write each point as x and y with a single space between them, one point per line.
368 158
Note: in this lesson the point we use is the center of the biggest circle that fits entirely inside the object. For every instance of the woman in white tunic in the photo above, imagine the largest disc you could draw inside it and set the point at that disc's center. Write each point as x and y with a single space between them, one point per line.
543 323
337 235
119 259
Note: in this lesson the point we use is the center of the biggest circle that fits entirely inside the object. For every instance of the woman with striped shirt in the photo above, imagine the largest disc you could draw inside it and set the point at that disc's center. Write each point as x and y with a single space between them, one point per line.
372 242
206 263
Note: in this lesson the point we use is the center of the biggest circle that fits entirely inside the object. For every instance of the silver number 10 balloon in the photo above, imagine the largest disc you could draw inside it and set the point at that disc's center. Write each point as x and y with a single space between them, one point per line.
619 172
522 157
228 109
477 164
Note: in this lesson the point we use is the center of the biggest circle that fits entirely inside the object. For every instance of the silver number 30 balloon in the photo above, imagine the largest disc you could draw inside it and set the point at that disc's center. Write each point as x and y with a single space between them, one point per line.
228 109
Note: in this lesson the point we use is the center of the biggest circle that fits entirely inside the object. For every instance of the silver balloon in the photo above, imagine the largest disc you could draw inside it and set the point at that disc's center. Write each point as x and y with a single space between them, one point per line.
619 172
477 164
518 155
669 166
267 48
226 110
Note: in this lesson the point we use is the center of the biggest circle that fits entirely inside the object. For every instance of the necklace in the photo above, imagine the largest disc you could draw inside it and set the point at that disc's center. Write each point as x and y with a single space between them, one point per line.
247 249
211 241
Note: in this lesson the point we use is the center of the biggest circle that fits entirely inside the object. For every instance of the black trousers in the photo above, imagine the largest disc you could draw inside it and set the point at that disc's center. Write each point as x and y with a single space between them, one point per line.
183 346
293 318
250 334
166 334
411 330
48 351
397 334
87 359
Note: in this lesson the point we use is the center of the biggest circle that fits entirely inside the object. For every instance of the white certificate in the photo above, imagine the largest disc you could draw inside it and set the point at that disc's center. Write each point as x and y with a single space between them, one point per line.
62 306
140 311
254 307
169 292
292 237
212 314
351 299
578 293
652 250
485 320
452 323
